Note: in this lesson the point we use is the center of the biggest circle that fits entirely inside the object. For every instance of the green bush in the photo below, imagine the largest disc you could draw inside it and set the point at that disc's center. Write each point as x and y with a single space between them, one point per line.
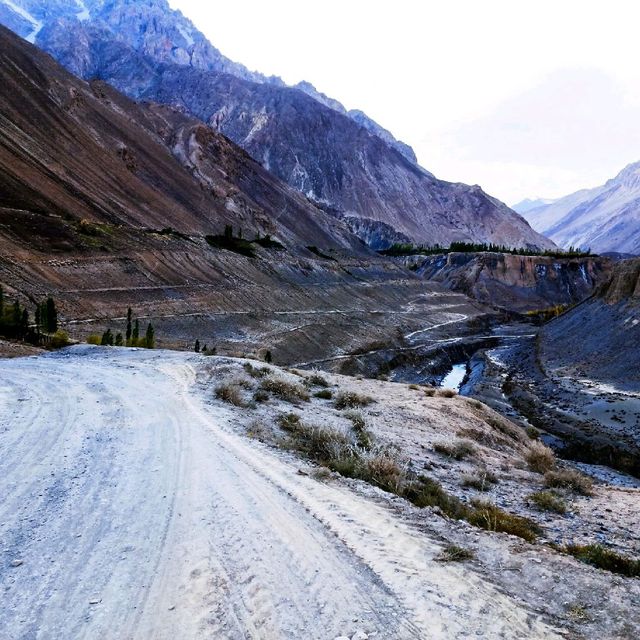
95 340
547 501
603 558
487 515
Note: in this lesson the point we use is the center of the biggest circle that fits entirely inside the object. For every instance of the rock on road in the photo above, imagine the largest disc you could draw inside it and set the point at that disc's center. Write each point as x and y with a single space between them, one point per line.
131 510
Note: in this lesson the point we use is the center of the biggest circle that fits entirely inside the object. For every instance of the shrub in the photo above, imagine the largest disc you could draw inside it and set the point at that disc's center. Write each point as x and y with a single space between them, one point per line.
95 340
425 492
506 428
414 387
430 392
60 339
481 482
257 430
569 479
453 553
230 394
540 458
351 400
487 515
261 396
323 394
459 450
603 558
447 393
289 422
316 380
363 438
547 501
533 433
254 372
284 390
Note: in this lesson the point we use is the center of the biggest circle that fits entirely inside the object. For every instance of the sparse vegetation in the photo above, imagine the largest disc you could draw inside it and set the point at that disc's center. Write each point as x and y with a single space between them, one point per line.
487 515
256 372
607 559
540 458
231 394
454 553
569 479
483 481
260 396
316 380
351 400
363 438
548 501
447 393
324 394
458 450
284 390
533 433
430 392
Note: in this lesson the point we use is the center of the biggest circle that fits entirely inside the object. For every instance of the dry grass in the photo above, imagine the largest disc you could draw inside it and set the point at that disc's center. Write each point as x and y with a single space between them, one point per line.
430 392
547 501
454 553
487 515
603 558
255 372
323 394
287 391
459 450
231 394
316 380
483 481
447 393
540 458
351 400
569 479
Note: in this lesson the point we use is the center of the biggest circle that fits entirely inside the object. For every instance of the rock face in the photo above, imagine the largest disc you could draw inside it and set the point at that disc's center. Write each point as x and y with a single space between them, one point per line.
517 283
606 218
604 332
343 161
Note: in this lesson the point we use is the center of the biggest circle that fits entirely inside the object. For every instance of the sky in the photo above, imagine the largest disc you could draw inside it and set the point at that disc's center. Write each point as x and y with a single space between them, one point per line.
527 99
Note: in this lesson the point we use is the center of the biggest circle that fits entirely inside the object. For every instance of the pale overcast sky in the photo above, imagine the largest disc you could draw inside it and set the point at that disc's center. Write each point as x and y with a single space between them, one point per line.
524 98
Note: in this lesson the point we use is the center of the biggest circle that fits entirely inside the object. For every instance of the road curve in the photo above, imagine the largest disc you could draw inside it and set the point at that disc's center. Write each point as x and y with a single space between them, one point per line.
132 510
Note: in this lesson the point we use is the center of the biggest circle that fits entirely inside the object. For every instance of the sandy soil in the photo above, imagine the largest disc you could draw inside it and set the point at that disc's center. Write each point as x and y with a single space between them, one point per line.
135 508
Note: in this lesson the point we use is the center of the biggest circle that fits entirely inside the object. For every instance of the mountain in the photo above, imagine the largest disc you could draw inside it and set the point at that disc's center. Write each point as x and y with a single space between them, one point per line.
606 218
527 205
342 161
105 204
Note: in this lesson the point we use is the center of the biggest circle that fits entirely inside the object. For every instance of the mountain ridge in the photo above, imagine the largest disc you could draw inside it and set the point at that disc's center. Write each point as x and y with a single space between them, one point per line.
339 163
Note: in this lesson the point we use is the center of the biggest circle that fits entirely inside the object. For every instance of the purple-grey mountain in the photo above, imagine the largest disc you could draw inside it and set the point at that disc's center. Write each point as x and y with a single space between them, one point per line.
342 161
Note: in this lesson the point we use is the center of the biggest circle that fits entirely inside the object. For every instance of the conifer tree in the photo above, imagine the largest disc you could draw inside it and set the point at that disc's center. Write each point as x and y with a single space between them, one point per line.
197 348
23 330
1 303
129 326
135 336
107 338
38 318
149 338
52 316
119 340
16 315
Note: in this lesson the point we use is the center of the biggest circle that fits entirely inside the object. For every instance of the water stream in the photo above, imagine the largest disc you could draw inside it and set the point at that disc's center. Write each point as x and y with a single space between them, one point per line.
453 380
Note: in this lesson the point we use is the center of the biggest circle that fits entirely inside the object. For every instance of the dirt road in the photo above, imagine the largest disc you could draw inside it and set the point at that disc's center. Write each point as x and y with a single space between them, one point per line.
131 510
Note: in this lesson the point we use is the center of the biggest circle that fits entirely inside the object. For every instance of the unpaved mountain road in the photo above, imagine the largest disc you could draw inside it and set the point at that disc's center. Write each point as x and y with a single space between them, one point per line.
131 510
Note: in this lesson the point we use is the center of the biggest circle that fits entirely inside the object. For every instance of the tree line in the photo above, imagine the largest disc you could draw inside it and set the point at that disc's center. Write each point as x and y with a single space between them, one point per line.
408 249
130 338
16 322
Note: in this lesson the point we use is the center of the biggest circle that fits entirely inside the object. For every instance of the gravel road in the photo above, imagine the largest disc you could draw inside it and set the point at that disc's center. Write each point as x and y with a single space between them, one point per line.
132 510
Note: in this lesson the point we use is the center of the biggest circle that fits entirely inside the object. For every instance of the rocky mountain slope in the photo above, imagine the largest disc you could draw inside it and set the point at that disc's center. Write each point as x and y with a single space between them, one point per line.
342 161
517 283
606 218
106 204
604 333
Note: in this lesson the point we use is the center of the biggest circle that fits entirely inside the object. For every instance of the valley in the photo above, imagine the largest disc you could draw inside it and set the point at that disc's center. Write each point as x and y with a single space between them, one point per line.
368 403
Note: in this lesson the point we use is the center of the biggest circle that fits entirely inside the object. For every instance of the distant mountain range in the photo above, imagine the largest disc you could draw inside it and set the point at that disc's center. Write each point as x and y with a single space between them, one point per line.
527 205
340 160
606 219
